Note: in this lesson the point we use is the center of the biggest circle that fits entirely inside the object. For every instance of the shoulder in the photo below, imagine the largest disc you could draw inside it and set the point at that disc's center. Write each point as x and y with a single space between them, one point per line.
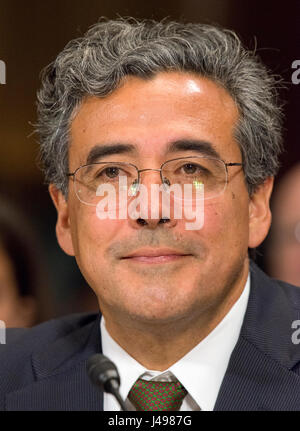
29 352
21 344
292 292
274 287
272 315
28 339
46 332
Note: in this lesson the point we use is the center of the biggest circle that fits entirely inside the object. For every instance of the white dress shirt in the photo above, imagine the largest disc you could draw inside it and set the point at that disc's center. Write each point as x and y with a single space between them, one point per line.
200 371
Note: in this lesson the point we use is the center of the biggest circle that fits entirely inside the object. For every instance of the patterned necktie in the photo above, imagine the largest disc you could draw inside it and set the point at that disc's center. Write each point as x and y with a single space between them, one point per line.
159 396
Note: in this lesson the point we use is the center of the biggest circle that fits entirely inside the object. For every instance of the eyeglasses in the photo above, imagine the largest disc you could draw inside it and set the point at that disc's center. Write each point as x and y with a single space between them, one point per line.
196 171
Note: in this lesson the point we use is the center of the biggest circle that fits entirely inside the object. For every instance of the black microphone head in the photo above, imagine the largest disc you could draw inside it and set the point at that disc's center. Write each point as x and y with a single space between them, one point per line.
103 372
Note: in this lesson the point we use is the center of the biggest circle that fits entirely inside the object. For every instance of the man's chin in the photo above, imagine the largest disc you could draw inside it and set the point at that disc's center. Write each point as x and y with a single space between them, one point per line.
158 316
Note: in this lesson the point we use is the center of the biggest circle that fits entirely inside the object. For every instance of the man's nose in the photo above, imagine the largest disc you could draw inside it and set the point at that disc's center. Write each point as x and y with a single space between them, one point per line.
151 198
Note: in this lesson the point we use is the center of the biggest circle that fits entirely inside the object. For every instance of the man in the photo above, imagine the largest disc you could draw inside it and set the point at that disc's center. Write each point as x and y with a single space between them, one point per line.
283 247
189 321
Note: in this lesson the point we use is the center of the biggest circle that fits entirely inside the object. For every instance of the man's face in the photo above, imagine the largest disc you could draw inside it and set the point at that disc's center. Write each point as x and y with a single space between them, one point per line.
150 115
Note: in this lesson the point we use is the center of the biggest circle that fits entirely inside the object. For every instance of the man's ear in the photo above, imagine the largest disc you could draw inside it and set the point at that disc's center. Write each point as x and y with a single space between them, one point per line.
63 228
260 216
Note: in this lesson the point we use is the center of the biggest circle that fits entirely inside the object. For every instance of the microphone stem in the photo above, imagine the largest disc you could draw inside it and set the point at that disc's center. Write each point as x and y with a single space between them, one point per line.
116 393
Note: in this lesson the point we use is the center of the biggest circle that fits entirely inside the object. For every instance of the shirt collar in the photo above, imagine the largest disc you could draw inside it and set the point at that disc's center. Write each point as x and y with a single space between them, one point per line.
201 370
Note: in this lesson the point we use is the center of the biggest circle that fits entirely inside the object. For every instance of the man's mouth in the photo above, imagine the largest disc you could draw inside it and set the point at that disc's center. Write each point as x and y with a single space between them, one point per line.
158 255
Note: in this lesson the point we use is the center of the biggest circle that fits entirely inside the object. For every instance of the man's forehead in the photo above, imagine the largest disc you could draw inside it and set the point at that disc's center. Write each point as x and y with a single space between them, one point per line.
165 109
142 99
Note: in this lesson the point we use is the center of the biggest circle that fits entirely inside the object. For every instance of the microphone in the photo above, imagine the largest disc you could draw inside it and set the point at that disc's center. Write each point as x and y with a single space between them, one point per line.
103 373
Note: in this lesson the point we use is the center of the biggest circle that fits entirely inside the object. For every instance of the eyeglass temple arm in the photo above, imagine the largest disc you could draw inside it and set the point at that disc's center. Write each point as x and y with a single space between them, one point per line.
234 164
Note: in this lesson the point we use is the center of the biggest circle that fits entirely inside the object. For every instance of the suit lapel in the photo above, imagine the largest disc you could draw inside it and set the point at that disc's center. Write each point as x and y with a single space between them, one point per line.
61 378
261 372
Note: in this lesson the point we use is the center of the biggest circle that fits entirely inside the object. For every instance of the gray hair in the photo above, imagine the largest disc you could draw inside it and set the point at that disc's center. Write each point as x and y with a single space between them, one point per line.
96 64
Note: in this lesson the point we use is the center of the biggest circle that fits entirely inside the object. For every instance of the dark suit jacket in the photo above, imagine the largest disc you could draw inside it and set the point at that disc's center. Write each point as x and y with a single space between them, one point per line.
45 367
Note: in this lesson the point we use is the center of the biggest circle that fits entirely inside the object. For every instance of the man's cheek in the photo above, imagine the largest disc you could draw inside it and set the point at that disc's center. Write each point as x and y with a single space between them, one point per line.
98 233
214 220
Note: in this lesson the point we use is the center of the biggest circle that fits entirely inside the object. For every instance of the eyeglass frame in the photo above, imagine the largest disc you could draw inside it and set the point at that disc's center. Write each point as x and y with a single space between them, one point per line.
73 174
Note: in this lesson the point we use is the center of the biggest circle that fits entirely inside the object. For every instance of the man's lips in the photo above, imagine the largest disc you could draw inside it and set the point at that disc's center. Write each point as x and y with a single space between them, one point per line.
155 255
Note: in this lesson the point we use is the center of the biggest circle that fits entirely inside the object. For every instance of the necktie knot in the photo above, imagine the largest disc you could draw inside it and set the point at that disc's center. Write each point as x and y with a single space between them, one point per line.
153 395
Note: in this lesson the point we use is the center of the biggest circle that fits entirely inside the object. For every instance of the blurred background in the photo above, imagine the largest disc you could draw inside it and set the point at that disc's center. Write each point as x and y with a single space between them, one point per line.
32 32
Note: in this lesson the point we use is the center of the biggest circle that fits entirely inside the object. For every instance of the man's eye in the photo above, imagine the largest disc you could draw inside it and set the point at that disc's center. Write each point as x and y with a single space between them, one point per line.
191 168
107 173
112 172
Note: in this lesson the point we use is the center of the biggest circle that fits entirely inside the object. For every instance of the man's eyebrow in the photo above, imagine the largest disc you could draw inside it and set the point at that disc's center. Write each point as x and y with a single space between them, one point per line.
99 151
203 147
